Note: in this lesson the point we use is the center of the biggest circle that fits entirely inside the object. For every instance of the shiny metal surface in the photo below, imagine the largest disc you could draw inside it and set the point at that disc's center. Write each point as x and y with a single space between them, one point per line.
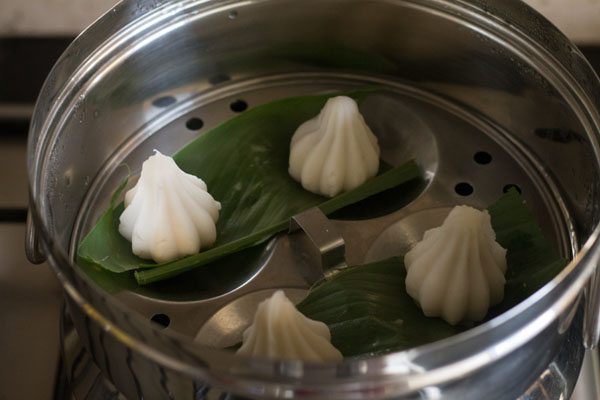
83 378
592 321
459 77
320 244
86 381
588 384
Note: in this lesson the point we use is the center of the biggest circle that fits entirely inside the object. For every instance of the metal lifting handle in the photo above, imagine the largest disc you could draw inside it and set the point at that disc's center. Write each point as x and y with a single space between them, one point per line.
33 249
322 246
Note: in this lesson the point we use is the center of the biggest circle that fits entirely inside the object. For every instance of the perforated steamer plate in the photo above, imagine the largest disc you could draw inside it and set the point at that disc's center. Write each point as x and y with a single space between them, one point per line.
465 159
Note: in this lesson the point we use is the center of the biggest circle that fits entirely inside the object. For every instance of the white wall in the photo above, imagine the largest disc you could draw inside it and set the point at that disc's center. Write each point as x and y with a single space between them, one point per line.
48 17
579 19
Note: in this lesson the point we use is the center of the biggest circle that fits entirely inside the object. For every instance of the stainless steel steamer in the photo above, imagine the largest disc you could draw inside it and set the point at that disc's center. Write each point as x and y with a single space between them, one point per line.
459 78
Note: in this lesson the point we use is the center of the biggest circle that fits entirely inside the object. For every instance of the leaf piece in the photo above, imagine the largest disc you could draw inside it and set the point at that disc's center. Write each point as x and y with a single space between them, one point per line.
369 311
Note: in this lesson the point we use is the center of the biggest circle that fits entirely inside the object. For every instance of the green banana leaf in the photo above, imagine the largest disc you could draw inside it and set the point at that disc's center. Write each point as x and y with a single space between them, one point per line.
369 312
244 163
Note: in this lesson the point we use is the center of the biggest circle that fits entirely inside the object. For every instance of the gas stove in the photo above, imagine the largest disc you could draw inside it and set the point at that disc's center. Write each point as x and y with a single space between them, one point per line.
42 357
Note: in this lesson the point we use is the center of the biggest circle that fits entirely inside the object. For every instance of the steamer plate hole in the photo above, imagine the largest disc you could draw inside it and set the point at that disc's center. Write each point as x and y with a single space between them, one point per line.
482 157
194 124
463 189
238 106
161 319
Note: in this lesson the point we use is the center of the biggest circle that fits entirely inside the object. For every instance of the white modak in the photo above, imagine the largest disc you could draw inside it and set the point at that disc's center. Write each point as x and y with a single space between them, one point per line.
168 214
457 271
280 331
334 152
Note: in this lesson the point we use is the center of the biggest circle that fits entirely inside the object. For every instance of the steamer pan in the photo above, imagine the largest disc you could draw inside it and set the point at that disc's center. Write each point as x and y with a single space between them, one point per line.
458 77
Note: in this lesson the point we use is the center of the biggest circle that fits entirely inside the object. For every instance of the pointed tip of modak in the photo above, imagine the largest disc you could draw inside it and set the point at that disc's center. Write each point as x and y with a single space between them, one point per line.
336 151
345 102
